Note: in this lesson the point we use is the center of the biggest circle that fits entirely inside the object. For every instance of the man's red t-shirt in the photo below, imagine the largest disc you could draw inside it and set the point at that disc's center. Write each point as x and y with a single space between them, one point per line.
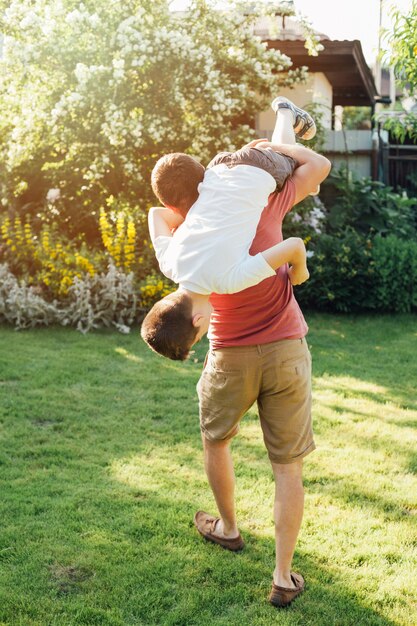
268 311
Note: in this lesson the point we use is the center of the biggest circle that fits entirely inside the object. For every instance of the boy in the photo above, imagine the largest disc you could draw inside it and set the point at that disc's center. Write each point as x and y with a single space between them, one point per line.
209 251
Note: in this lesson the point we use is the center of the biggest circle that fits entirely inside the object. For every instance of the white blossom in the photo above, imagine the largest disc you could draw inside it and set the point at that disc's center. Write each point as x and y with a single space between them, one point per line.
53 195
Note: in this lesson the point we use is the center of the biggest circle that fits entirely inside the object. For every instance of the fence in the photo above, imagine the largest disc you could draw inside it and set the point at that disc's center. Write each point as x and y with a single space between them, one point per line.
369 153
399 165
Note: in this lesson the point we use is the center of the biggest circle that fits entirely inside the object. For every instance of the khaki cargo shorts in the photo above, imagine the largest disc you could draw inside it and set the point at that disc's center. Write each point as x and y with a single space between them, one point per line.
277 376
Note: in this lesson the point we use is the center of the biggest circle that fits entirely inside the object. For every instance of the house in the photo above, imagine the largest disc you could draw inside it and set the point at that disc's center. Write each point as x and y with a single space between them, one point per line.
339 76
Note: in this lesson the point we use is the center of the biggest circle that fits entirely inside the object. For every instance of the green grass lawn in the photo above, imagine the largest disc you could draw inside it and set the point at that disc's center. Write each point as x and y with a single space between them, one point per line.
101 473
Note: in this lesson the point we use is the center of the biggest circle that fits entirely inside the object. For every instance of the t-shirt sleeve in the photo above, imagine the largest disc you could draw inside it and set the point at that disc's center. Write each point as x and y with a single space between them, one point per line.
283 201
161 247
289 196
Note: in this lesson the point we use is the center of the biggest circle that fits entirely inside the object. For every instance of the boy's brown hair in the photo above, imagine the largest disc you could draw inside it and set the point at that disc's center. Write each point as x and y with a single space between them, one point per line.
175 179
168 327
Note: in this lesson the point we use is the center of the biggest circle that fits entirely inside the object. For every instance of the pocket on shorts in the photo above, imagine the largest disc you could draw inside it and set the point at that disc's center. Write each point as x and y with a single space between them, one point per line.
223 400
220 381
209 375
295 351
212 378
298 361
224 365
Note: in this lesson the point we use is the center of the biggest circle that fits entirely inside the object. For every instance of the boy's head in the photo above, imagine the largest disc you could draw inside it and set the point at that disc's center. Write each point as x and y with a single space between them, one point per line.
173 326
175 179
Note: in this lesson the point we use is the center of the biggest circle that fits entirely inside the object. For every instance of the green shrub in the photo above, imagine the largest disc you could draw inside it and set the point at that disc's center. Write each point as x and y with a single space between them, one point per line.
367 206
394 271
339 273
401 126
353 273
357 118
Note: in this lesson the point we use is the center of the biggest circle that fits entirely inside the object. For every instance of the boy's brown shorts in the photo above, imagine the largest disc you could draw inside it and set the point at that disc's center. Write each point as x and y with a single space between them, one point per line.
280 166
278 376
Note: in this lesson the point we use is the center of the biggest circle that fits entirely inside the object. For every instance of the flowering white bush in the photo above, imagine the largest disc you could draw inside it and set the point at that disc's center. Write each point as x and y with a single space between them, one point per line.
92 94
306 220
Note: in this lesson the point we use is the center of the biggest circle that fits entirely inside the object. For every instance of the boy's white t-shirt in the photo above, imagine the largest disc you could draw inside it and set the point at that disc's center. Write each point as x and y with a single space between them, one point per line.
209 252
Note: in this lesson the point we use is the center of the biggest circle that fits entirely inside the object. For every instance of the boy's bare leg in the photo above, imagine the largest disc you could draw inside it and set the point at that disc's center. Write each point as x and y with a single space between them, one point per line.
221 476
288 515
284 131
284 127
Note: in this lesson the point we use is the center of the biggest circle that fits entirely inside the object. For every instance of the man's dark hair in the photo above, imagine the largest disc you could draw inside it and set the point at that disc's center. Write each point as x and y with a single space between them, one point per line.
175 179
168 327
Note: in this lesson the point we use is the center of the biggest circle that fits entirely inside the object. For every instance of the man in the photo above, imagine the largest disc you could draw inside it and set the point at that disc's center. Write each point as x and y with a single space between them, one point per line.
258 352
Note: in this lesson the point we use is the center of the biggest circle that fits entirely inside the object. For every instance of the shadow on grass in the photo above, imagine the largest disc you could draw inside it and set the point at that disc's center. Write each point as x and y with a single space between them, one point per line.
376 350
184 580
347 491
111 400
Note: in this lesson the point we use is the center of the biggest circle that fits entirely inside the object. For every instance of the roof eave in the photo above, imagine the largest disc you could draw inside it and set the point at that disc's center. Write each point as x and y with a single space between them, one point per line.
326 62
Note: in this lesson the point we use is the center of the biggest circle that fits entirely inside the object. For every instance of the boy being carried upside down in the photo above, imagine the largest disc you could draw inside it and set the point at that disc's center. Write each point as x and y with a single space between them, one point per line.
203 235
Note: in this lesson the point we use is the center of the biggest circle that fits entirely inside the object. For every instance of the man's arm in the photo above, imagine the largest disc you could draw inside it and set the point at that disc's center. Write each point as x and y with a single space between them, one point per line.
162 221
312 168
291 251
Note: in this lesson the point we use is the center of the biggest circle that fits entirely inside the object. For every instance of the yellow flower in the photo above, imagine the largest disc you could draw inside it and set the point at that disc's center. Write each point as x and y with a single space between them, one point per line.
5 227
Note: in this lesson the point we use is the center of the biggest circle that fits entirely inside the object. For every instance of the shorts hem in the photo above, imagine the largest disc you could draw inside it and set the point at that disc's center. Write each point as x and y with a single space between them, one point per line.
287 460
210 437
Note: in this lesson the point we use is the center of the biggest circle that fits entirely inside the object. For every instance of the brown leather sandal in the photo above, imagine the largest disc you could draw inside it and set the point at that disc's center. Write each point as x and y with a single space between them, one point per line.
206 525
283 596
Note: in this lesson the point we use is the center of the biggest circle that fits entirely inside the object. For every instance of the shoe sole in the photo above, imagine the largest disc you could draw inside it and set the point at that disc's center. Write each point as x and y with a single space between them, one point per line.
304 126
218 542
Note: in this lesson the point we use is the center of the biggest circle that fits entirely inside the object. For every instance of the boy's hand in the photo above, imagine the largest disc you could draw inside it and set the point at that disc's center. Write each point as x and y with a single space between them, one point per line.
298 274
163 221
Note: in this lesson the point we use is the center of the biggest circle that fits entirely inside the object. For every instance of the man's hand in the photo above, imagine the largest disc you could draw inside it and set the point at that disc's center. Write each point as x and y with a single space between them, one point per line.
255 143
311 170
264 143
298 274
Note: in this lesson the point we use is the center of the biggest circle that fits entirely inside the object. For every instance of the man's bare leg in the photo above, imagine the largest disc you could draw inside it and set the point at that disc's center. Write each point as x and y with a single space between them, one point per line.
288 515
218 464
284 127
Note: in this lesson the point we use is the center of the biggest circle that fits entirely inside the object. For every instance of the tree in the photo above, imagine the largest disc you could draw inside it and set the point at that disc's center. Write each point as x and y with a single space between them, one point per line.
402 56
92 94
403 44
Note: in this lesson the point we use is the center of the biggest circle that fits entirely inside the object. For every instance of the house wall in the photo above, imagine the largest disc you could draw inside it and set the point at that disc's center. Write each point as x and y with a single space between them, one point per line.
317 90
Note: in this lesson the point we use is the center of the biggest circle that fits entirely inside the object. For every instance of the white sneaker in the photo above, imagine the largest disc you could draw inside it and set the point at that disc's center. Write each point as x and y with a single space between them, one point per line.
304 126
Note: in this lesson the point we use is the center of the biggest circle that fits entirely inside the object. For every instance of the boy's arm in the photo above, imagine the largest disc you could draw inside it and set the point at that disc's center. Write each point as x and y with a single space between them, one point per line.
312 168
291 251
162 221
